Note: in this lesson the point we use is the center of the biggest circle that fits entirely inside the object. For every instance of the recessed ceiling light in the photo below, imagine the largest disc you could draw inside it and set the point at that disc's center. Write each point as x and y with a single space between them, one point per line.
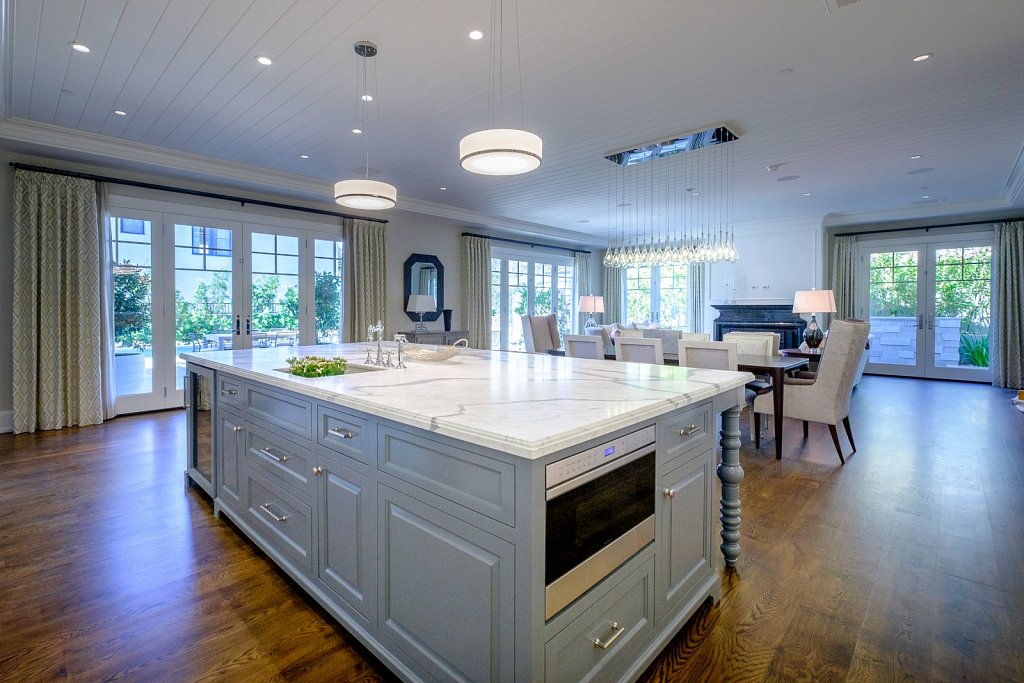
921 58
916 156
367 98
583 220
119 112
79 47
443 189
265 61
476 34
303 156
807 194
926 196
695 193
357 131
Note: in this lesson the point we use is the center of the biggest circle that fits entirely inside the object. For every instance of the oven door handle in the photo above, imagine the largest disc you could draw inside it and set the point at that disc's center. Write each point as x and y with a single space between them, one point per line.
600 471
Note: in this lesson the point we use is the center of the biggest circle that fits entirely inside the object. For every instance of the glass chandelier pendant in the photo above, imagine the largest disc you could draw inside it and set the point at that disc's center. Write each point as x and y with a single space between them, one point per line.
363 193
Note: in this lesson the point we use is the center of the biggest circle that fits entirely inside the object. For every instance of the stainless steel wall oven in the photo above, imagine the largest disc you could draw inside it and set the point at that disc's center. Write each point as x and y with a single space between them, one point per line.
599 513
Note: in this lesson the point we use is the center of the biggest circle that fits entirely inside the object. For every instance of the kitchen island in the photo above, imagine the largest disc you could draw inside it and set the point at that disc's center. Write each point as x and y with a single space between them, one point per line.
412 504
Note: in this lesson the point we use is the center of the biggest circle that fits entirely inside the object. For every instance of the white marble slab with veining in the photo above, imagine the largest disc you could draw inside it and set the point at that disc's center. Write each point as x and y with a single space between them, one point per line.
525 404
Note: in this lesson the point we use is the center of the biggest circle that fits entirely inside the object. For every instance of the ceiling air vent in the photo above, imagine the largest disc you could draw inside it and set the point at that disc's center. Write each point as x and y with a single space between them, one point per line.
837 4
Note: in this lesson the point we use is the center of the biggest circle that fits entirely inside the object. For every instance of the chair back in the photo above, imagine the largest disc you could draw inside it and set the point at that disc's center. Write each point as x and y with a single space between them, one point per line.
838 366
694 336
639 350
753 343
710 355
584 346
540 333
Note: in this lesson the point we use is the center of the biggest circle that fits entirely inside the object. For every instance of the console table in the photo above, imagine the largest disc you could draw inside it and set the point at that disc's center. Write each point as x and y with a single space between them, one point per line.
438 337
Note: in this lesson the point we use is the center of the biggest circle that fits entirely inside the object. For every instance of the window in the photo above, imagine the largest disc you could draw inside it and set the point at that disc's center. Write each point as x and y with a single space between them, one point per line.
656 294
211 241
529 285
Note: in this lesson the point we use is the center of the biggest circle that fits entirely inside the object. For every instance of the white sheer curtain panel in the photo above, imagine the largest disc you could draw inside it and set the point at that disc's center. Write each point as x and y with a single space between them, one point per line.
612 282
581 262
696 280
57 314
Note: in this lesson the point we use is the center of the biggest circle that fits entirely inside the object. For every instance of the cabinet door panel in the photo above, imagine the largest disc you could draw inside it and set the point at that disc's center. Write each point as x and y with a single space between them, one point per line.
229 450
684 552
448 587
347 538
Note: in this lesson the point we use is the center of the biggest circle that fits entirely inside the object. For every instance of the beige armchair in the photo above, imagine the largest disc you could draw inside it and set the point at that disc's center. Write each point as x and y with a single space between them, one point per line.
826 398
540 332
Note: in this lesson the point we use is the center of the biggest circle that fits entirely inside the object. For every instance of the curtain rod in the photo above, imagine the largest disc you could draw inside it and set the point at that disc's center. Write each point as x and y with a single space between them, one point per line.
530 244
197 193
929 227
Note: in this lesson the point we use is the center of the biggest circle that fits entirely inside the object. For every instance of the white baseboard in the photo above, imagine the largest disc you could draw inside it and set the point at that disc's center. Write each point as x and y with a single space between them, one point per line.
6 421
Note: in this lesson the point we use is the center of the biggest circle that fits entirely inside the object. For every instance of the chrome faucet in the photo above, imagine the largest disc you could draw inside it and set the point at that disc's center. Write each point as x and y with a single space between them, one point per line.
375 333
401 341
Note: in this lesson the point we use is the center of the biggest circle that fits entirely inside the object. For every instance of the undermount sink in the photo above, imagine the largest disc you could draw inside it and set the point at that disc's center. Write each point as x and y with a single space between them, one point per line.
351 369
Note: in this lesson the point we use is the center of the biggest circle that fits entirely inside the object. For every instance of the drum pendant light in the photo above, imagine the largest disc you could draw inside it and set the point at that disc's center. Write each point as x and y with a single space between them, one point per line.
501 151
363 193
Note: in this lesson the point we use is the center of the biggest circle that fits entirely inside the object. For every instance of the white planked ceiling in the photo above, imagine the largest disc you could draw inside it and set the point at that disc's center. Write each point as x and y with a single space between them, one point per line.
827 93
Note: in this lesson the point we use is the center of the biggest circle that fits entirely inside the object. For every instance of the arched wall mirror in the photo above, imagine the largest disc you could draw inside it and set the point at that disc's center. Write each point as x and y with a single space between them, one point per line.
424 274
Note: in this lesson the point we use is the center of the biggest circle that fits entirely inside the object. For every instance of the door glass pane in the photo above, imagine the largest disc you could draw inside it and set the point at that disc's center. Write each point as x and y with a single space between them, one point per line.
893 307
638 295
543 285
202 288
495 303
132 275
275 289
963 277
672 296
518 298
327 289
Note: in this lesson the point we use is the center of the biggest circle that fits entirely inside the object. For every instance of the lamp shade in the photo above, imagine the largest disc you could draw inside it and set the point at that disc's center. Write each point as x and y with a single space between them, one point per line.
814 301
362 193
421 303
500 151
591 304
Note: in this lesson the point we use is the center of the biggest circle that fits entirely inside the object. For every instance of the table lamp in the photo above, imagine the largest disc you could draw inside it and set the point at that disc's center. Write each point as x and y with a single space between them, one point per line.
421 303
590 303
814 301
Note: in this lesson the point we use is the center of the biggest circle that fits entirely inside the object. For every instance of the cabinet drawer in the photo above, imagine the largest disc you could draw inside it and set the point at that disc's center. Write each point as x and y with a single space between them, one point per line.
229 391
474 481
596 644
280 459
687 430
284 522
289 413
343 432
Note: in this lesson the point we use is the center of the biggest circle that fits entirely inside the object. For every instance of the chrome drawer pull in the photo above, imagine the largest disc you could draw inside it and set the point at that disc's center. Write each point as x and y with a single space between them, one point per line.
619 630
689 431
670 493
236 429
278 458
266 508
228 392
334 431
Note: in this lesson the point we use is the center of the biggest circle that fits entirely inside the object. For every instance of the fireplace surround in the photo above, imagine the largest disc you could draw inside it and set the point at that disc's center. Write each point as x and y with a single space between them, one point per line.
761 318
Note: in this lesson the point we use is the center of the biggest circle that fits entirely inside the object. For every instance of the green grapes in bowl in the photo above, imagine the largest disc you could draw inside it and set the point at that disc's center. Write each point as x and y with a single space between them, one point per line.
317 366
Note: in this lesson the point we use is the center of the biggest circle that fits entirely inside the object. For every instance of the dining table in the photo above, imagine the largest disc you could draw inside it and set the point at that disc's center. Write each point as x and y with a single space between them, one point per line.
777 367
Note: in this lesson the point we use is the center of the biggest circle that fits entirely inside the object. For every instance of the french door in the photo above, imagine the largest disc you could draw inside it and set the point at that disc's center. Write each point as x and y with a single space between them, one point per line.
528 285
191 284
929 305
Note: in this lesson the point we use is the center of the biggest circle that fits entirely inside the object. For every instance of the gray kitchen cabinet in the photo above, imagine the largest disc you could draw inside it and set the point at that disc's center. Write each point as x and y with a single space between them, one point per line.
230 446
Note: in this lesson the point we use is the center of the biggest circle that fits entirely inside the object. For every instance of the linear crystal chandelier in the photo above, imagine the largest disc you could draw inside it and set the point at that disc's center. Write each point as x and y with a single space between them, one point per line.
670 202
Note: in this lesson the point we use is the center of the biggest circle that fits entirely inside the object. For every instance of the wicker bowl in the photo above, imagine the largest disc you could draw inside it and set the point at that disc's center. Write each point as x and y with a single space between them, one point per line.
438 353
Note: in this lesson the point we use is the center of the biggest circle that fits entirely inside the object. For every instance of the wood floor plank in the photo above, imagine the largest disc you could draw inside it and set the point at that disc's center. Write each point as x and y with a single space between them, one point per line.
907 563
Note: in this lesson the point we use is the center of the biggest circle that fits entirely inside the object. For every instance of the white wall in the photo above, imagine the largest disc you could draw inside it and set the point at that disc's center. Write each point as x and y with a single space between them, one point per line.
416 234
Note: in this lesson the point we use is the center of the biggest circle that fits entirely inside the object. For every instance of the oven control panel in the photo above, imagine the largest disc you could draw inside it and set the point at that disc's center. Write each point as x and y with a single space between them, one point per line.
565 469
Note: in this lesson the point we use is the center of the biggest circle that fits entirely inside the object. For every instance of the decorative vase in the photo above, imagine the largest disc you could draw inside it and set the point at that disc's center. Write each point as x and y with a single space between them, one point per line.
447 313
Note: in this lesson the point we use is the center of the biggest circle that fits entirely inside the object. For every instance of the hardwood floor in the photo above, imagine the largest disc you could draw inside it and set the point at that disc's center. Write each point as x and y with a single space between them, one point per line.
906 564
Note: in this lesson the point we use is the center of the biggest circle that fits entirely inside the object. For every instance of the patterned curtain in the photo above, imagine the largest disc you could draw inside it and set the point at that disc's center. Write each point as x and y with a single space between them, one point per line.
107 303
844 275
1007 338
696 278
57 313
476 290
369 280
612 295
582 264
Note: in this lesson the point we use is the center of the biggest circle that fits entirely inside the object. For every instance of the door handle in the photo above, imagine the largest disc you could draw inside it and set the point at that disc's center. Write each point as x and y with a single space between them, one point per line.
238 325
248 326
931 321
920 321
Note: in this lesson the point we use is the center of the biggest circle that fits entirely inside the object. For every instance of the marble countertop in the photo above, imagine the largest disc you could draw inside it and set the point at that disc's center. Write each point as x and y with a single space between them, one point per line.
529 405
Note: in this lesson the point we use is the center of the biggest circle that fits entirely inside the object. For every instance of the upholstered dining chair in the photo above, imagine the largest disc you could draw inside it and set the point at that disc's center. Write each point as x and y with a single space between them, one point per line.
742 339
584 346
639 350
826 397
761 344
710 355
540 332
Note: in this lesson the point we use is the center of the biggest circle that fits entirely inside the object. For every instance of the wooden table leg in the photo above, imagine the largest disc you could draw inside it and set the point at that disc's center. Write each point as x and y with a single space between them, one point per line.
778 381
731 474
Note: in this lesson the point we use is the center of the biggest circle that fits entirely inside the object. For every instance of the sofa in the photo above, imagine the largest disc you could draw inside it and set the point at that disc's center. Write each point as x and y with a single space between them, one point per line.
669 337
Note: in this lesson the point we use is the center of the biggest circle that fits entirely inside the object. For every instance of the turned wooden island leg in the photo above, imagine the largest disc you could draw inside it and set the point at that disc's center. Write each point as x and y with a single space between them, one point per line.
731 474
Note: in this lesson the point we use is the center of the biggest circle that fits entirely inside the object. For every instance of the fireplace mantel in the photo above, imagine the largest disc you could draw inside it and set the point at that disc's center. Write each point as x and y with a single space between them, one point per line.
761 318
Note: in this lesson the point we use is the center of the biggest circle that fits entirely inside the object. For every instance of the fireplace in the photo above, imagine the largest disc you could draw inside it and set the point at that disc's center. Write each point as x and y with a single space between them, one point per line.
761 318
